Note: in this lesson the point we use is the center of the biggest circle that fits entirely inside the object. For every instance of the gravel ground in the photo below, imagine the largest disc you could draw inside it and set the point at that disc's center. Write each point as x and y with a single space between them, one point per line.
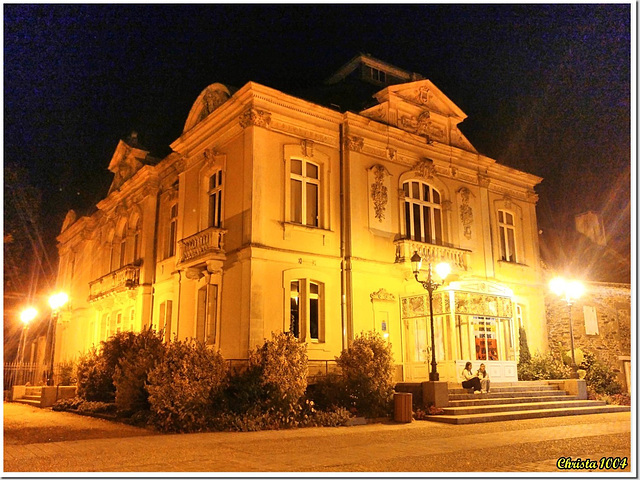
45 441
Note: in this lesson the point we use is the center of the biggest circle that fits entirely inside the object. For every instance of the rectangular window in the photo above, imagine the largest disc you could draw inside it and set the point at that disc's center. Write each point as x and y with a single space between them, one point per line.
485 338
173 231
132 317
212 314
164 322
215 200
123 251
306 310
294 325
314 314
305 193
119 323
201 314
507 234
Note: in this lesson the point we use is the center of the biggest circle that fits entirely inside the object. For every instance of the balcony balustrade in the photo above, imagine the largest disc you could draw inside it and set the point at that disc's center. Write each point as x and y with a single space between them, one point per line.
455 257
124 278
205 242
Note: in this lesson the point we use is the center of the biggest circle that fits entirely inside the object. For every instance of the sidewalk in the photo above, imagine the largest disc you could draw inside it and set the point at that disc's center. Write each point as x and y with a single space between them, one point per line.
45 441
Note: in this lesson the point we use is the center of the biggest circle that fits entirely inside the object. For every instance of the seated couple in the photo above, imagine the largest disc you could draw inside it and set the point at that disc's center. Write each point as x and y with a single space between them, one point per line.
479 382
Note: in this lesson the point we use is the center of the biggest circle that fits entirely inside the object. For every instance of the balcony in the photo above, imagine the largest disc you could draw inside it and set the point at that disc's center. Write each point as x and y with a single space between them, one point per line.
124 278
209 241
455 257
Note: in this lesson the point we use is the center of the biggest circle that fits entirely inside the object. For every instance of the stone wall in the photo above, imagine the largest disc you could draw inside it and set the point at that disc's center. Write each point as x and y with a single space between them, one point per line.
613 309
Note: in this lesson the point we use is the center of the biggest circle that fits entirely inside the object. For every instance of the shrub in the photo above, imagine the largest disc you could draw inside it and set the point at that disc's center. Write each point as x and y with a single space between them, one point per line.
281 364
67 404
544 367
367 371
97 407
600 378
95 382
525 355
67 374
185 387
244 391
328 393
130 377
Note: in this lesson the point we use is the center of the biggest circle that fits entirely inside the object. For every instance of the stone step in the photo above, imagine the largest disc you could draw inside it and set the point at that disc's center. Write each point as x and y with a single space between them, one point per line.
33 390
525 414
519 388
561 396
492 394
35 403
514 407
32 397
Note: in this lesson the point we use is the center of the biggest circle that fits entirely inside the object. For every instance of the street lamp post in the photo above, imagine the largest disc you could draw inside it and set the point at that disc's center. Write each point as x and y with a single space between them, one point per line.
56 301
571 291
442 269
26 316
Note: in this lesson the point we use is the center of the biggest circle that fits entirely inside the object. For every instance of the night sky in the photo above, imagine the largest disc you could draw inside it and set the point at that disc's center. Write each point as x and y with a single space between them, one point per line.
546 88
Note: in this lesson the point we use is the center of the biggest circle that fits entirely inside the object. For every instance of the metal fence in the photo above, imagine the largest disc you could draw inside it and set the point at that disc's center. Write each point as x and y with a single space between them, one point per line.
19 373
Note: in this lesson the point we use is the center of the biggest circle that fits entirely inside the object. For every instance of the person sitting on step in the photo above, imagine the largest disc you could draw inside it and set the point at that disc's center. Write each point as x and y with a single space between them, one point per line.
469 380
483 375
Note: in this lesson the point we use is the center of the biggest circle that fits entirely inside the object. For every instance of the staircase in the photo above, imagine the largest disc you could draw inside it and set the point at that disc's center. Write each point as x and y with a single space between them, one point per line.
32 396
517 401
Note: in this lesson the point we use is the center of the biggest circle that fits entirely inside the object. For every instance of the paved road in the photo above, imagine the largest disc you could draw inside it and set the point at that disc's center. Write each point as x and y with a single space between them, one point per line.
38 440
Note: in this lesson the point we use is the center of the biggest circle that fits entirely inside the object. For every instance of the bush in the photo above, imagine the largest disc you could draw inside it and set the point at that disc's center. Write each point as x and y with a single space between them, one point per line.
67 374
281 365
185 387
544 367
95 382
67 404
97 407
132 369
367 370
329 392
525 355
600 379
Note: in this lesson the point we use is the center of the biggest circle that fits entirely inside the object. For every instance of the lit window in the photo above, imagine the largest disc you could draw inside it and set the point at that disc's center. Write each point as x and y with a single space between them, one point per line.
215 199
119 323
306 310
305 191
132 317
423 212
507 234
173 231
136 242
123 251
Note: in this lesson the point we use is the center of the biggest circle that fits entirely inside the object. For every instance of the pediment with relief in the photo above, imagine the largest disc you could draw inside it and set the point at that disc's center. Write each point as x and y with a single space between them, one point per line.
126 161
422 109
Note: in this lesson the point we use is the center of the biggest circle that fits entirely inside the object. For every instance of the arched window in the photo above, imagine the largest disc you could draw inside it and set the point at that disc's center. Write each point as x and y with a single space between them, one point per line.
422 212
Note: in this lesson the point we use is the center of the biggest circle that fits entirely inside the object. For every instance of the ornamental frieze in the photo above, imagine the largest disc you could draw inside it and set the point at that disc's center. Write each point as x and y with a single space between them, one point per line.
383 295
255 117
302 133
355 144
306 148
379 192
466 212
424 168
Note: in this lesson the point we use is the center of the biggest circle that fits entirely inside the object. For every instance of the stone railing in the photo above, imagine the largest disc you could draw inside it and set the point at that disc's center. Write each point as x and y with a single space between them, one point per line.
124 278
210 240
455 257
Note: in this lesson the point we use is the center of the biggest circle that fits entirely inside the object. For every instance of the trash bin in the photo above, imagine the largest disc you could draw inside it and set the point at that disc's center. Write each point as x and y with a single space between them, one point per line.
402 408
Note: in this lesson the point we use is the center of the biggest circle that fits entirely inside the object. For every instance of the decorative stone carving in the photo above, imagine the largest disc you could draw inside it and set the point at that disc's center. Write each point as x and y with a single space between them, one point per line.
391 153
211 100
255 117
507 201
194 273
355 144
446 205
424 95
383 295
180 165
484 181
210 155
306 147
379 192
401 194
424 168
466 212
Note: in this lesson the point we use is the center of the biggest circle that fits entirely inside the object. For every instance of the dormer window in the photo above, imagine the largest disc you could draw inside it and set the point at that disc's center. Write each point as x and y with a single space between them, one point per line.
378 75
